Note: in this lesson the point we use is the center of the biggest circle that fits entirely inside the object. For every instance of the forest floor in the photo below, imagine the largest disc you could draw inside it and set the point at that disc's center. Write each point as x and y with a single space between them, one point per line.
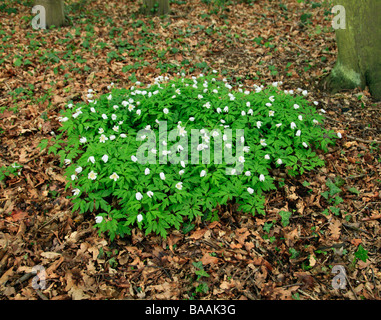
243 256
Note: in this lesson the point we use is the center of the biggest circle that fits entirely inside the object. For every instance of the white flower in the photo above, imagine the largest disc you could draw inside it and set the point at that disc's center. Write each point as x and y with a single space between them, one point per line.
115 107
98 219
123 135
147 171
322 110
293 125
182 163
139 217
133 158
200 147
298 133
267 157
92 175
250 111
279 161
304 92
271 113
233 172
114 176
78 170
339 135
138 196
165 110
241 159
228 145
226 109
243 113
316 103
246 149
224 137
247 173
64 119
162 176
296 106
268 104
92 109
300 117
219 110
92 159
261 177
83 140
103 138
272 99
109 97
150 194
124 103
112 137
202 173
278 125
104 116
191 119
315 121
250 190
131 107
248 104
67 161
179 185
180 148
105 158
138 112
181 172
200 96
70 105
262 142
100 130
305 145
259 123
113 116
76 192
73 177
75 115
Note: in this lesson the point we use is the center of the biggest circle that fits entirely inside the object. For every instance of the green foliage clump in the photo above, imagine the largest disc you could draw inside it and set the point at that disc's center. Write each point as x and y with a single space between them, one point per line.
121 165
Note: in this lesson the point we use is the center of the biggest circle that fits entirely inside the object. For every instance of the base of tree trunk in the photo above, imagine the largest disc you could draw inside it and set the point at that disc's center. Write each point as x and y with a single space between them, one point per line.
342 78
54 10
155 7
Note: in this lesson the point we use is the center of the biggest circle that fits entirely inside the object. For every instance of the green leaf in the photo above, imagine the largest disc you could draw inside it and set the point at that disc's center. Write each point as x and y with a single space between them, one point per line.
361 253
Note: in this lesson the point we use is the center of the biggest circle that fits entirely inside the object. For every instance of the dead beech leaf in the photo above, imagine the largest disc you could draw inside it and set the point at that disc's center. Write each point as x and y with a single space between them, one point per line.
356 242
198 234
208 259
335 229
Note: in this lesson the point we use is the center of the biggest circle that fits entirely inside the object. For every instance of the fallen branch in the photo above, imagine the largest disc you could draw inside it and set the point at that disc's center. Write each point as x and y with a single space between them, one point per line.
363 140
372 218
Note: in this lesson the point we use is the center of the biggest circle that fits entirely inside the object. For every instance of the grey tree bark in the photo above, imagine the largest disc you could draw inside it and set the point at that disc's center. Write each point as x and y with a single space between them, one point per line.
54 10
359 49
152 7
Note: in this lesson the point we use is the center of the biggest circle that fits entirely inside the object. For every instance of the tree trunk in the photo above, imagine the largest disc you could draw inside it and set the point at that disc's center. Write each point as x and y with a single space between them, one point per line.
54 12
359 49
152 7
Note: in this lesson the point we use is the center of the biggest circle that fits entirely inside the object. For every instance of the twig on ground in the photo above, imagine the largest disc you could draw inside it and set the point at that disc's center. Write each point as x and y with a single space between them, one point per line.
363 140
